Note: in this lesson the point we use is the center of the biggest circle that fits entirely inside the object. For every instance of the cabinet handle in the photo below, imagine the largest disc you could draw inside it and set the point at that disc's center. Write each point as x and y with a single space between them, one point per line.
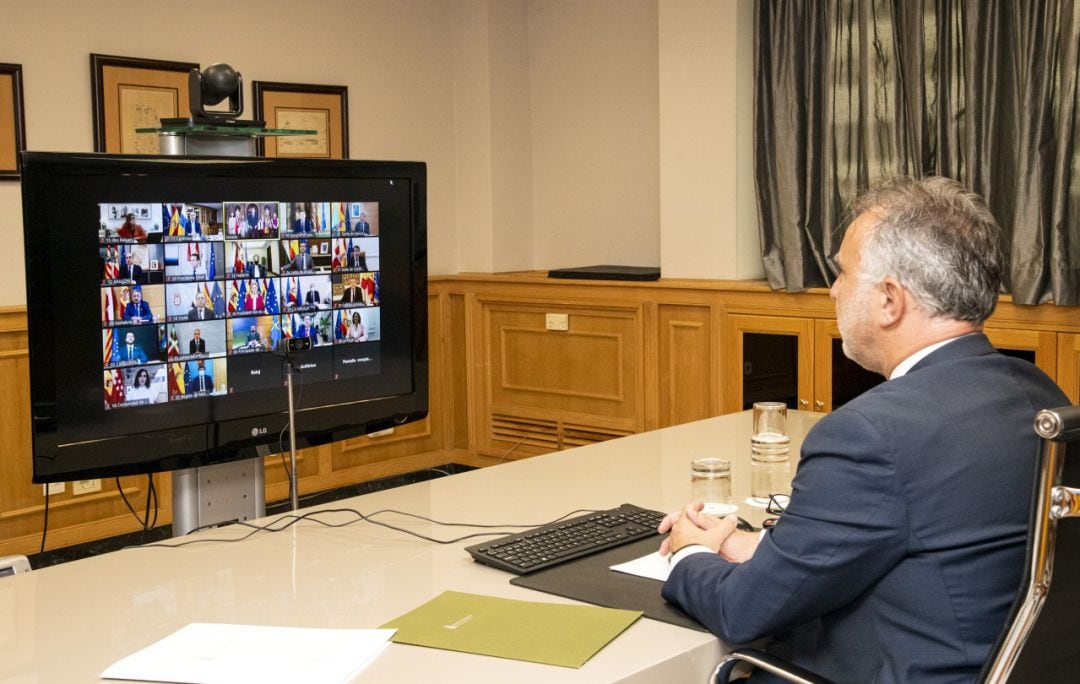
819 405
803 404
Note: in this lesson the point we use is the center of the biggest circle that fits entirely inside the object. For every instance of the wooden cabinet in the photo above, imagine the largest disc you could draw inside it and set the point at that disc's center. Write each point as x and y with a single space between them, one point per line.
791 359
768 358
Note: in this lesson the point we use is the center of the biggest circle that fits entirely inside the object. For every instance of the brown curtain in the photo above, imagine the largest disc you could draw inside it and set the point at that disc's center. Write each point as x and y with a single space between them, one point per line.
984 91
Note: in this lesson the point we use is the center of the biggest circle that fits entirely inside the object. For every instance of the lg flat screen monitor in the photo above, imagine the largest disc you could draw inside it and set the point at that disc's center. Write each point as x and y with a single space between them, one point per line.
162 293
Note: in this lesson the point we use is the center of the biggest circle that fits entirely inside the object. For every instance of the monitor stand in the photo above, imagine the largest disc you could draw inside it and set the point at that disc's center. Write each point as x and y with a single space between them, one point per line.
217 494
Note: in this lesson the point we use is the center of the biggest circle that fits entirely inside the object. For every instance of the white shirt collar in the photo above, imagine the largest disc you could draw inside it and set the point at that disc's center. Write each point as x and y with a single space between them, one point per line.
907 364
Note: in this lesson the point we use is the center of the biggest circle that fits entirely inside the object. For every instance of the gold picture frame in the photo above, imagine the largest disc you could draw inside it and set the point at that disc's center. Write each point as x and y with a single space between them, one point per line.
322 108
12 120
131 93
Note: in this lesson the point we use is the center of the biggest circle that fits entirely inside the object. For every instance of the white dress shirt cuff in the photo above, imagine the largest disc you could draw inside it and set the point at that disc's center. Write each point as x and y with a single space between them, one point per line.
687 551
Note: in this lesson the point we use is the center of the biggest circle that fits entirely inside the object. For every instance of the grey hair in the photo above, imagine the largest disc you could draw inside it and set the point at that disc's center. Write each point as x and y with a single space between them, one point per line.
938 239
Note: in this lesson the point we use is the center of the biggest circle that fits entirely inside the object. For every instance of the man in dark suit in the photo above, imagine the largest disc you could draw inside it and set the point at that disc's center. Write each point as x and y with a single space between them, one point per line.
129 270
312 297
197 345
200 312
362 226
308 330
202 383
129 351
303 224
255 268
137 311
352 294
903 544
356 259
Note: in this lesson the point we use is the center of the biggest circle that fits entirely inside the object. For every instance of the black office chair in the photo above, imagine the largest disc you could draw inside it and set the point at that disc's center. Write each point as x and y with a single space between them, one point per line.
1039 642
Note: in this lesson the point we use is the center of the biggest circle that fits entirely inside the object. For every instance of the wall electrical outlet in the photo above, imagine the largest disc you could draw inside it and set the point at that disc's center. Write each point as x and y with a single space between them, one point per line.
554 321
85 487
52 488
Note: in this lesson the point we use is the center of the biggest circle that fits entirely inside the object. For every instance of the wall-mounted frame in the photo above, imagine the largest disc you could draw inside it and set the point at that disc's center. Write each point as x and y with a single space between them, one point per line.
132 93
12 120
322 108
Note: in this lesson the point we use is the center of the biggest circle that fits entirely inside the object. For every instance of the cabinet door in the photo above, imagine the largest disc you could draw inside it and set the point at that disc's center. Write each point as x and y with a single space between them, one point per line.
1068 370
1039 347
768 359
837 379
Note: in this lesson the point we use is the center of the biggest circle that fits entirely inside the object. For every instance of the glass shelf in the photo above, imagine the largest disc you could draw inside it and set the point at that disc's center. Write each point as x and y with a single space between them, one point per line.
225 130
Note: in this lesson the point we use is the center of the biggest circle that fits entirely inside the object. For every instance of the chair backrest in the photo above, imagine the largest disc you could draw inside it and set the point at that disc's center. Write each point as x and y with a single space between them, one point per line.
1040 641
13 565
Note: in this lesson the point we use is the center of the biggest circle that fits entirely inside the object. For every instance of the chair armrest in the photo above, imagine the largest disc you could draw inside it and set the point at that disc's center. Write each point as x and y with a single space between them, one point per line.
769 663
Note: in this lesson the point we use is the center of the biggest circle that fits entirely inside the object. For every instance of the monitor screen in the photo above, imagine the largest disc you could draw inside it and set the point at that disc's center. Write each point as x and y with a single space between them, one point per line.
163 291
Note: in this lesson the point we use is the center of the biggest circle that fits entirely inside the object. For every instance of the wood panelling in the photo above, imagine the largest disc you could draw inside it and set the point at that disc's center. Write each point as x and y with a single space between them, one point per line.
588 374
688 377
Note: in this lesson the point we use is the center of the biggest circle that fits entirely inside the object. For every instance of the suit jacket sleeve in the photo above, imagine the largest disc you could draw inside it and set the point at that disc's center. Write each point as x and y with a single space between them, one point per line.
821 556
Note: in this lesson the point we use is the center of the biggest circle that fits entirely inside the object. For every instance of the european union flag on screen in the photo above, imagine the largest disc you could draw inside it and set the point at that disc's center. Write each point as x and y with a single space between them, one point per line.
115 347
218 299
271 298
211 267
243 295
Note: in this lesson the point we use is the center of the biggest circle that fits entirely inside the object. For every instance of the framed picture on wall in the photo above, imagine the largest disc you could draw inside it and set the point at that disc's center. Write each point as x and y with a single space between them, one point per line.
131 93
12 120
321 108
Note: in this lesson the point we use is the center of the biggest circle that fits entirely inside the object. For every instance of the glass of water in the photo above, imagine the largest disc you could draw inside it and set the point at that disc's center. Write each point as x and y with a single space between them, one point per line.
710 483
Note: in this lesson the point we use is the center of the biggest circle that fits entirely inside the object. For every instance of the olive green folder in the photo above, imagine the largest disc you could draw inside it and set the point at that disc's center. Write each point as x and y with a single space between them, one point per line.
551 633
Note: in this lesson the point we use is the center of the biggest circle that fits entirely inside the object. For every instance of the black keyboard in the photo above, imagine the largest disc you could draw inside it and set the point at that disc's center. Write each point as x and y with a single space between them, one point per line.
549 545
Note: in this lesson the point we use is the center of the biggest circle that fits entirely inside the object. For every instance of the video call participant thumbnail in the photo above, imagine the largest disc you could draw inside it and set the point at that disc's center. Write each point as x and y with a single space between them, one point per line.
140 305
364 218
131 345
198 338
297 257
197 378
253 334
135 386
193 261
350 325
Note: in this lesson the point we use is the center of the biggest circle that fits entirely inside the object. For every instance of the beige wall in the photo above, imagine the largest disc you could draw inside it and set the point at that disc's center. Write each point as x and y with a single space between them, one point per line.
593 67
540 120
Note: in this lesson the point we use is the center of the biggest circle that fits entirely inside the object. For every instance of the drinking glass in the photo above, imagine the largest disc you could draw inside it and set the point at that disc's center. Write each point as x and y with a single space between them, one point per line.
710 483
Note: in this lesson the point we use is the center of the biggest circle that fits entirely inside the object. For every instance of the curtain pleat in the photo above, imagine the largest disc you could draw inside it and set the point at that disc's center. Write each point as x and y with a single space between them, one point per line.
984 91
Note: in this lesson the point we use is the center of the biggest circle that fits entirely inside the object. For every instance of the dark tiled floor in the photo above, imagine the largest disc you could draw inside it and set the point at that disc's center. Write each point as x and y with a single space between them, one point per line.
93 548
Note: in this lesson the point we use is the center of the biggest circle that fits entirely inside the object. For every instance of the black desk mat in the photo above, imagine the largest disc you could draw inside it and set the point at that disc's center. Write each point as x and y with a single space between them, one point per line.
592 580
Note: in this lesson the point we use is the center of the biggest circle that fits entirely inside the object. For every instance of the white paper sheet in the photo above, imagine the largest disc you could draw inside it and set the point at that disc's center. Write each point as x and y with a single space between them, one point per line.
654 566
210 653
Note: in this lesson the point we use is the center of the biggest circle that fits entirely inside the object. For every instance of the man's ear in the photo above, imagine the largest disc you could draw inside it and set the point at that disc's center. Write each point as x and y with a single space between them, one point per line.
892 302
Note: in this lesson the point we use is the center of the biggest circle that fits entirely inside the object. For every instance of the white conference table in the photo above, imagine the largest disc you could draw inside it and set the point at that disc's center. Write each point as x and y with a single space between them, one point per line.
68 622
